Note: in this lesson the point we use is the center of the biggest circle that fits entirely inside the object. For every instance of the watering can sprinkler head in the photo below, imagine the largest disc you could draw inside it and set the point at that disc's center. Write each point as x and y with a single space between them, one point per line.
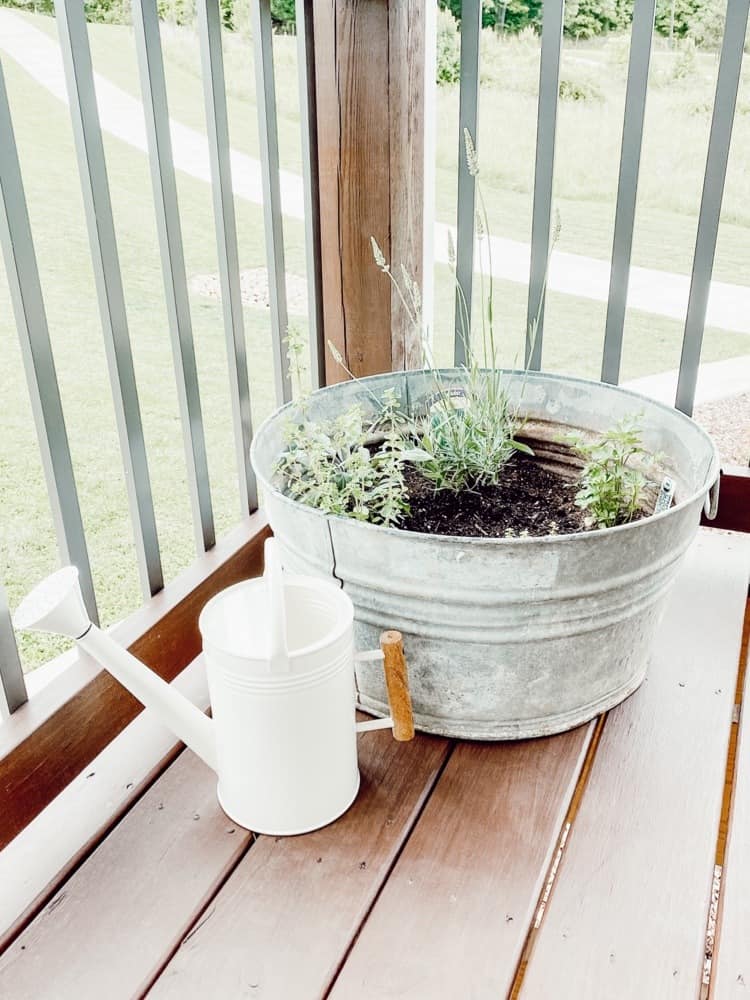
55 605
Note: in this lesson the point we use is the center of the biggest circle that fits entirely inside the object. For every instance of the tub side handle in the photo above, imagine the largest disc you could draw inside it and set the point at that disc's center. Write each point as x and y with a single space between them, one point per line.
397 682
391 655
711 503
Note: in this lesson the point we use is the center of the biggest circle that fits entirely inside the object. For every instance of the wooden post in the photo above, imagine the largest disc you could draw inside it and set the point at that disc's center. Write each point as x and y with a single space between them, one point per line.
370 93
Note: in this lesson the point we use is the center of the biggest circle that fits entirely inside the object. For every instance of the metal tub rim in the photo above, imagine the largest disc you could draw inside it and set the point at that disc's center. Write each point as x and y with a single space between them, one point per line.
710 478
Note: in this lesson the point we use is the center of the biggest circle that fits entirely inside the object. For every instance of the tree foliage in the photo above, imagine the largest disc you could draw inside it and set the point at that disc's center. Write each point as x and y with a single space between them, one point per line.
699 20
587 18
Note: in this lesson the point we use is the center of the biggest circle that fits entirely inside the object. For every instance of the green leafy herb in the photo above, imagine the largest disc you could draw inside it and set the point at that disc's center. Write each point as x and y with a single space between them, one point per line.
611 488
332 465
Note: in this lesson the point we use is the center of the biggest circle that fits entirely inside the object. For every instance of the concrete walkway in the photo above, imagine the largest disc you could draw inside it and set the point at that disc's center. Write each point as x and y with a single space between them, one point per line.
716 380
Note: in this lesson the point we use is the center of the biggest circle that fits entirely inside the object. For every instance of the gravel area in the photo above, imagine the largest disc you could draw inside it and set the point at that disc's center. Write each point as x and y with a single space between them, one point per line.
254 289
728 423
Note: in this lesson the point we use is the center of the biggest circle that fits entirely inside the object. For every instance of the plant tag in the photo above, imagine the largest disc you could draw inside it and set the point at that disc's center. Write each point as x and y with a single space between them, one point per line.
666 495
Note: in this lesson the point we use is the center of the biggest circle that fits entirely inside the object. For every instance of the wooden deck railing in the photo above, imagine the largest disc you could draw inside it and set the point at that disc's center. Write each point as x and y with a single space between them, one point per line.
365 101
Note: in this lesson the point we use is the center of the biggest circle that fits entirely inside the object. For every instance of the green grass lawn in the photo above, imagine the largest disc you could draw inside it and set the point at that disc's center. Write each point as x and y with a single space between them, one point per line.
586 171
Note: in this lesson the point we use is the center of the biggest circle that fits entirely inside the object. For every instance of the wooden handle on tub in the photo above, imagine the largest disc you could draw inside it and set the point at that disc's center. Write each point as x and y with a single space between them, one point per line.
397 681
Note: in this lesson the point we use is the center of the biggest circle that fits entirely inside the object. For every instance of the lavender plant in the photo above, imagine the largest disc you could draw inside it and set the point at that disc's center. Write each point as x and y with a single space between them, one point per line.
355 466
465 441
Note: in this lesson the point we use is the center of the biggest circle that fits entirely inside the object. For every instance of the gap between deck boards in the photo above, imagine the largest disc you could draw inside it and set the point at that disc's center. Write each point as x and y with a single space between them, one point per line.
714 917
400 850
201 917
548 935
562 840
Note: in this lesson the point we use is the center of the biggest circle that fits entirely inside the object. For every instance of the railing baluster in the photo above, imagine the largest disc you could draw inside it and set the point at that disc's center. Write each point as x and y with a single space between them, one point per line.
725 102
265 95
544 169
12 685
154 91
39 364
308 127
429 140
471 29
209 30
627 188
98 207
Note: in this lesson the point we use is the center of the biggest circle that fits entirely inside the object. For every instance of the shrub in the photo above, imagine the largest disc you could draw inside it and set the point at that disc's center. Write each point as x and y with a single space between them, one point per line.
579 90
177 11
701 20
283 14
588 18
518 15
448 48
706 26
685 64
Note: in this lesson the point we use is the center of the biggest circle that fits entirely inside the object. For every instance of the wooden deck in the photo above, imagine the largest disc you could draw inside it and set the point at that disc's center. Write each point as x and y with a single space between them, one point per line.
578 866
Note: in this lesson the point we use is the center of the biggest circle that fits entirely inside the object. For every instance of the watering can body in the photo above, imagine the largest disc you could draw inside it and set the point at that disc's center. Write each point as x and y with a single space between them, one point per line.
279 654
286 742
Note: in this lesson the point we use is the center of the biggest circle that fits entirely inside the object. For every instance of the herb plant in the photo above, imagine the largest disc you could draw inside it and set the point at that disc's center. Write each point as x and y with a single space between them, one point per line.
333 466
465 440
611 489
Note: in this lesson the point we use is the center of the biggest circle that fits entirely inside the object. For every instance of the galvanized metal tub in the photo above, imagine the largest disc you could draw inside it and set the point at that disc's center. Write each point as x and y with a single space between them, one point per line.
505 637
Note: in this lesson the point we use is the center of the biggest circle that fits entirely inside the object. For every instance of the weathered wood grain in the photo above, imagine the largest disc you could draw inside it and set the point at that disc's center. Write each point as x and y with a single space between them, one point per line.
281 924
453 918
110 927
406 87
628 912
369 85
364 180
731 963
329 145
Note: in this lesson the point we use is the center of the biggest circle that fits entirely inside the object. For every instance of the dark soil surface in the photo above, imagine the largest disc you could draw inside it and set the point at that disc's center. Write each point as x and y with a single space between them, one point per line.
530 500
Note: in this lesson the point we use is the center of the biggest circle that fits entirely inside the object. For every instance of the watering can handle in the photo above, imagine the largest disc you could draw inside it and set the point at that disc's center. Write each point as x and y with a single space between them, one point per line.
274 575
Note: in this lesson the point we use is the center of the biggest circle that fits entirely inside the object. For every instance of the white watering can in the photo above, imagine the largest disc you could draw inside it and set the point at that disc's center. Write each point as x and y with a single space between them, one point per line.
279 654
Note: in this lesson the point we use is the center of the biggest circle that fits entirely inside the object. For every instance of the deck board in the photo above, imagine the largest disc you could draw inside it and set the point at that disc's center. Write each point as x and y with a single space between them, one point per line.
731 972
281 924
454 916
33 865
107 931
628 912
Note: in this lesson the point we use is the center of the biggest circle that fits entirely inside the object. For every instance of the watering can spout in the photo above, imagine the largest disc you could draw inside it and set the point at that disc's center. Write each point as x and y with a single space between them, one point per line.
56 605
